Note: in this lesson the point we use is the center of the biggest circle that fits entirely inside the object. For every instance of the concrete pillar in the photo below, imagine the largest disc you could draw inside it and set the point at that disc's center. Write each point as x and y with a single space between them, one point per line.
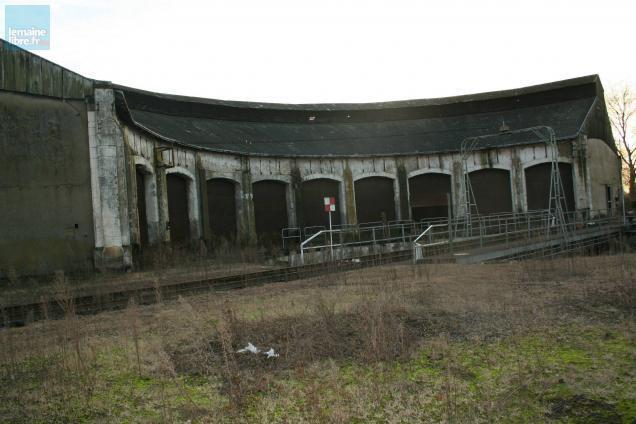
296 188
349 191
162 202
109 171
519 200
402 206
247 199
341 203
459 192
152 212
290 198
206 232
581 176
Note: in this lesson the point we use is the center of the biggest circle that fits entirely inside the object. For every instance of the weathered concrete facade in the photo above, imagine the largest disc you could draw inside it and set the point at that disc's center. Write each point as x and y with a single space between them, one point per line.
46 221
78 154
346 170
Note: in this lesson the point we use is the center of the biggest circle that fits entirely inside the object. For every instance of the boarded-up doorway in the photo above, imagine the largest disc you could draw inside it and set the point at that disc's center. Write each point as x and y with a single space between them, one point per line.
538 186
178 208
427 194
313 194
222 208
270 210
491 188
375 199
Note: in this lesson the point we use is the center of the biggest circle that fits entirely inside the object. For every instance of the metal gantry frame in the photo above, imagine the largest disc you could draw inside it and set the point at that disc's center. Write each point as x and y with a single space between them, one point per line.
557 201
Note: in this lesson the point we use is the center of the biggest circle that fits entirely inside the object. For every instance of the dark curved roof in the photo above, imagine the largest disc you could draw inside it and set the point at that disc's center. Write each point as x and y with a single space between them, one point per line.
366 129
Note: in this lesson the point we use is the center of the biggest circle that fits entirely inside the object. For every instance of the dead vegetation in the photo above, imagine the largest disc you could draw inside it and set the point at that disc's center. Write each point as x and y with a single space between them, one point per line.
156 266
527 341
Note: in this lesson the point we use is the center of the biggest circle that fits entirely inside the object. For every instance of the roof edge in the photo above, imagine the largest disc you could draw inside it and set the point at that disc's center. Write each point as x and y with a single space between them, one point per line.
571 82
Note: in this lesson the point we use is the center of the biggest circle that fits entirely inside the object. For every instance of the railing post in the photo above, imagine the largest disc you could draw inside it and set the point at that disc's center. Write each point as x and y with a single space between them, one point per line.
449 221
507 232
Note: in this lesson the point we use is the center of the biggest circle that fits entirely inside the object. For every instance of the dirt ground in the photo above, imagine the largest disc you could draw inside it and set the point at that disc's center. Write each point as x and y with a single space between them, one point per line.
531 341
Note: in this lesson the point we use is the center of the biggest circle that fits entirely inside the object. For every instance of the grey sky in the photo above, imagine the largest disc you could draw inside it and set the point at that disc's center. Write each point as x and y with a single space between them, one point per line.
341 51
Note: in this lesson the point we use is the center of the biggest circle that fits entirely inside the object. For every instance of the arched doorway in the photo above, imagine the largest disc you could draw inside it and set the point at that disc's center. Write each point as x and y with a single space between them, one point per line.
538 185
313 194
221 194
178 213
375 199
270 210
492 191
427 194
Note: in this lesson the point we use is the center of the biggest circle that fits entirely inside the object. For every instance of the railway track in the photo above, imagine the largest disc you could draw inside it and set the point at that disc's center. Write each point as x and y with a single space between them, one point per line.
117 299
56 308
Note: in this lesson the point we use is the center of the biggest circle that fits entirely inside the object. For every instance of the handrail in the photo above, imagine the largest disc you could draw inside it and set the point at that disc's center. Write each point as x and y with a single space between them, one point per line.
302 245
510 228
430 227
388 233
484 228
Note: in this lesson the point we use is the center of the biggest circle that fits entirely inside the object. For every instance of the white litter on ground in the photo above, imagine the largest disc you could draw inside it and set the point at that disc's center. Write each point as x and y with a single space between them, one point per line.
270 353
249 348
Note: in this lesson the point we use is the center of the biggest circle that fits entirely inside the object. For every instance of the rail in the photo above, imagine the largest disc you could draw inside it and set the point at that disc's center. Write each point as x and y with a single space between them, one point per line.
28 311
32 310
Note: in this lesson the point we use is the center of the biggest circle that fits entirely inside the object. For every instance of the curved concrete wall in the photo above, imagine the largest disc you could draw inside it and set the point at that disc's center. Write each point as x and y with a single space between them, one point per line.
58 156
346 171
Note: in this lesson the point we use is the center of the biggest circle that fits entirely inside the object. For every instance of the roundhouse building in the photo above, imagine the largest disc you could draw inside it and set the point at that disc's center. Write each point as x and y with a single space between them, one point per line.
89 169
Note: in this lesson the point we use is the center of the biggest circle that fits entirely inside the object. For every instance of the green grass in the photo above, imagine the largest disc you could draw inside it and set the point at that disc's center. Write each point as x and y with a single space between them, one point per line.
515 379
491 349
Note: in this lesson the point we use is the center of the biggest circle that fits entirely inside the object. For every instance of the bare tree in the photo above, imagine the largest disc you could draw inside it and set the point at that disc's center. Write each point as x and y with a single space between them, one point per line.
621 105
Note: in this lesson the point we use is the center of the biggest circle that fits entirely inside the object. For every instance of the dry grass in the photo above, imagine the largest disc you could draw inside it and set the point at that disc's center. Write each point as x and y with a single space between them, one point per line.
518 342
161 266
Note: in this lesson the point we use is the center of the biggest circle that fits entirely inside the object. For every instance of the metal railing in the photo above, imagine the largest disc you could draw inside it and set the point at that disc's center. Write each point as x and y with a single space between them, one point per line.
375 233
485 229
292 237
360 235
503 229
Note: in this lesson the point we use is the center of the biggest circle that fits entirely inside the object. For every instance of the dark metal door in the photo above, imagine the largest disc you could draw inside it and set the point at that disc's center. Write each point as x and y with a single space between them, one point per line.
375 199
222 207
491 188
313 194
538 185
178 208
428 195
270 209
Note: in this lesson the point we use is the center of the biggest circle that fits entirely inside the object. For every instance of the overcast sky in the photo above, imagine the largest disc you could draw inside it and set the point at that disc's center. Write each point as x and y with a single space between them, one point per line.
341 51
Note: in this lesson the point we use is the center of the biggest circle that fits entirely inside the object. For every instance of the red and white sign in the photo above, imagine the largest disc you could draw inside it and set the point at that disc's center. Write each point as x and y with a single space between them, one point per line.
330 204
